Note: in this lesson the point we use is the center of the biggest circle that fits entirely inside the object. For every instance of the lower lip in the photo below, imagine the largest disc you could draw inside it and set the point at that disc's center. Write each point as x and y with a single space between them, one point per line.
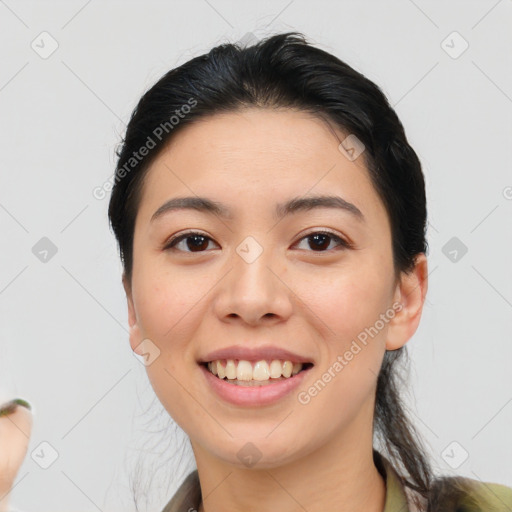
253 395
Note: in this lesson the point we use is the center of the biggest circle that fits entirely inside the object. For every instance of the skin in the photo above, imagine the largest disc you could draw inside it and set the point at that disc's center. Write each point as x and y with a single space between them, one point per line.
15 431
313 302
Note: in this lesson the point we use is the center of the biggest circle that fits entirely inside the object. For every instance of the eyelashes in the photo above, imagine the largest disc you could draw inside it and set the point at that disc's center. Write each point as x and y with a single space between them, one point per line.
321 236
200 241
174 241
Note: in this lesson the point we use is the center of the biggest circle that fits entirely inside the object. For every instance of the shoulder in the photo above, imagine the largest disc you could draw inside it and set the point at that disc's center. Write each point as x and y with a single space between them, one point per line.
460 494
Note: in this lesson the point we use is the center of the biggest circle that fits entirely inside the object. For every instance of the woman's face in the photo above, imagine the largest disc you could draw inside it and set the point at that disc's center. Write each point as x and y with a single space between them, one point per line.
261 279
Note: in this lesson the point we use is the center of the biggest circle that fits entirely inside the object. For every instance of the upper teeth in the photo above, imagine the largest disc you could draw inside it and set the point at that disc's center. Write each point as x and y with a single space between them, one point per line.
262 370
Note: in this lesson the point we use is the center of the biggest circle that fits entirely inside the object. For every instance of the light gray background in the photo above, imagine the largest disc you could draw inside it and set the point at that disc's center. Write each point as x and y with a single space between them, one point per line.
63 329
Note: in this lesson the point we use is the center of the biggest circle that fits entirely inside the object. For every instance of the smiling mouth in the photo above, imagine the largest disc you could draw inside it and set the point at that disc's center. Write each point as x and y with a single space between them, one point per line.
258 373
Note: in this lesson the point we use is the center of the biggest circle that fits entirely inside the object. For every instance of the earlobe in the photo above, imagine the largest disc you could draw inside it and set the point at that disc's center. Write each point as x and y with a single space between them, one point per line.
135 337
410 293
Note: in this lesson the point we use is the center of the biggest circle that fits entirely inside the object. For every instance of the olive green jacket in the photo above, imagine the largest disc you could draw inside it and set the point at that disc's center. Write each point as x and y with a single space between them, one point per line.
476 497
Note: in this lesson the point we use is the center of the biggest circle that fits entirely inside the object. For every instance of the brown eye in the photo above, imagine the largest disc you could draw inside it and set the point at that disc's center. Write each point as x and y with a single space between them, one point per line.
320 241
193 242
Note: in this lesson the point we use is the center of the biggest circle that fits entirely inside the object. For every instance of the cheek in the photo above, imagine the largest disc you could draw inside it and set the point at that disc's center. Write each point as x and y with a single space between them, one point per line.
166 301
347 301
351 355
168 307
349 305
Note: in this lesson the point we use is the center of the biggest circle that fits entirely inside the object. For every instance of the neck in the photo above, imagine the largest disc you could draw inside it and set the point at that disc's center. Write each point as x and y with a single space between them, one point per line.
341 472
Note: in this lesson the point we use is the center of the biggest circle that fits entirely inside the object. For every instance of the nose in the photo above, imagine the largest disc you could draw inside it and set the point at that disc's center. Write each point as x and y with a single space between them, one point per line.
254 292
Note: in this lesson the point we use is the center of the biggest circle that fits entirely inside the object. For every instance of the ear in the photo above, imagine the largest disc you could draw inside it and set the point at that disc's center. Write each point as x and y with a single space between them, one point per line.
410 293
135 334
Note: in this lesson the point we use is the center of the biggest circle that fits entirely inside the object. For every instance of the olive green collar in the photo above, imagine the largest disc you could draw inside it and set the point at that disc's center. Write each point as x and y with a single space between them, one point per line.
396 499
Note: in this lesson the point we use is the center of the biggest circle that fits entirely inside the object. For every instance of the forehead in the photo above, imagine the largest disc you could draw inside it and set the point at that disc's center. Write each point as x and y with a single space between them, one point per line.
260 154
269 135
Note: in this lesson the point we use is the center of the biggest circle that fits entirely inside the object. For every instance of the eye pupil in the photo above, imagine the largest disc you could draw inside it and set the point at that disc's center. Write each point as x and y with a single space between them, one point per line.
202 244
322 238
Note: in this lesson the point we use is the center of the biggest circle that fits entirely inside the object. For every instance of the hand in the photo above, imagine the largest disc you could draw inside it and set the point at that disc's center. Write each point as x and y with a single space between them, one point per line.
15 429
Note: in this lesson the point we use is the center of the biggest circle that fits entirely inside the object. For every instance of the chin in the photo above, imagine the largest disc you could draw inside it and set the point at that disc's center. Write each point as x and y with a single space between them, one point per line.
256 453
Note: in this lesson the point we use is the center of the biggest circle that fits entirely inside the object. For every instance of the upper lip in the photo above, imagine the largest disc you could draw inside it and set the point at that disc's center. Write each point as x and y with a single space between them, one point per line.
254 354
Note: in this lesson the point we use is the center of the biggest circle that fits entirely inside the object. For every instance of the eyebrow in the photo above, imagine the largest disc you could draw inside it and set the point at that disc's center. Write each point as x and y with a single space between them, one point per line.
295 205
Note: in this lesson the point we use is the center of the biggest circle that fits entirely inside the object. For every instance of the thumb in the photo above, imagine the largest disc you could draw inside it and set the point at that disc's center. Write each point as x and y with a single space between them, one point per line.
15 429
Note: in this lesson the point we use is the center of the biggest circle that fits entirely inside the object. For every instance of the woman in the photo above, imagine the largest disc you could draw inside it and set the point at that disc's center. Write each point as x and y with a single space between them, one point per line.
271 221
